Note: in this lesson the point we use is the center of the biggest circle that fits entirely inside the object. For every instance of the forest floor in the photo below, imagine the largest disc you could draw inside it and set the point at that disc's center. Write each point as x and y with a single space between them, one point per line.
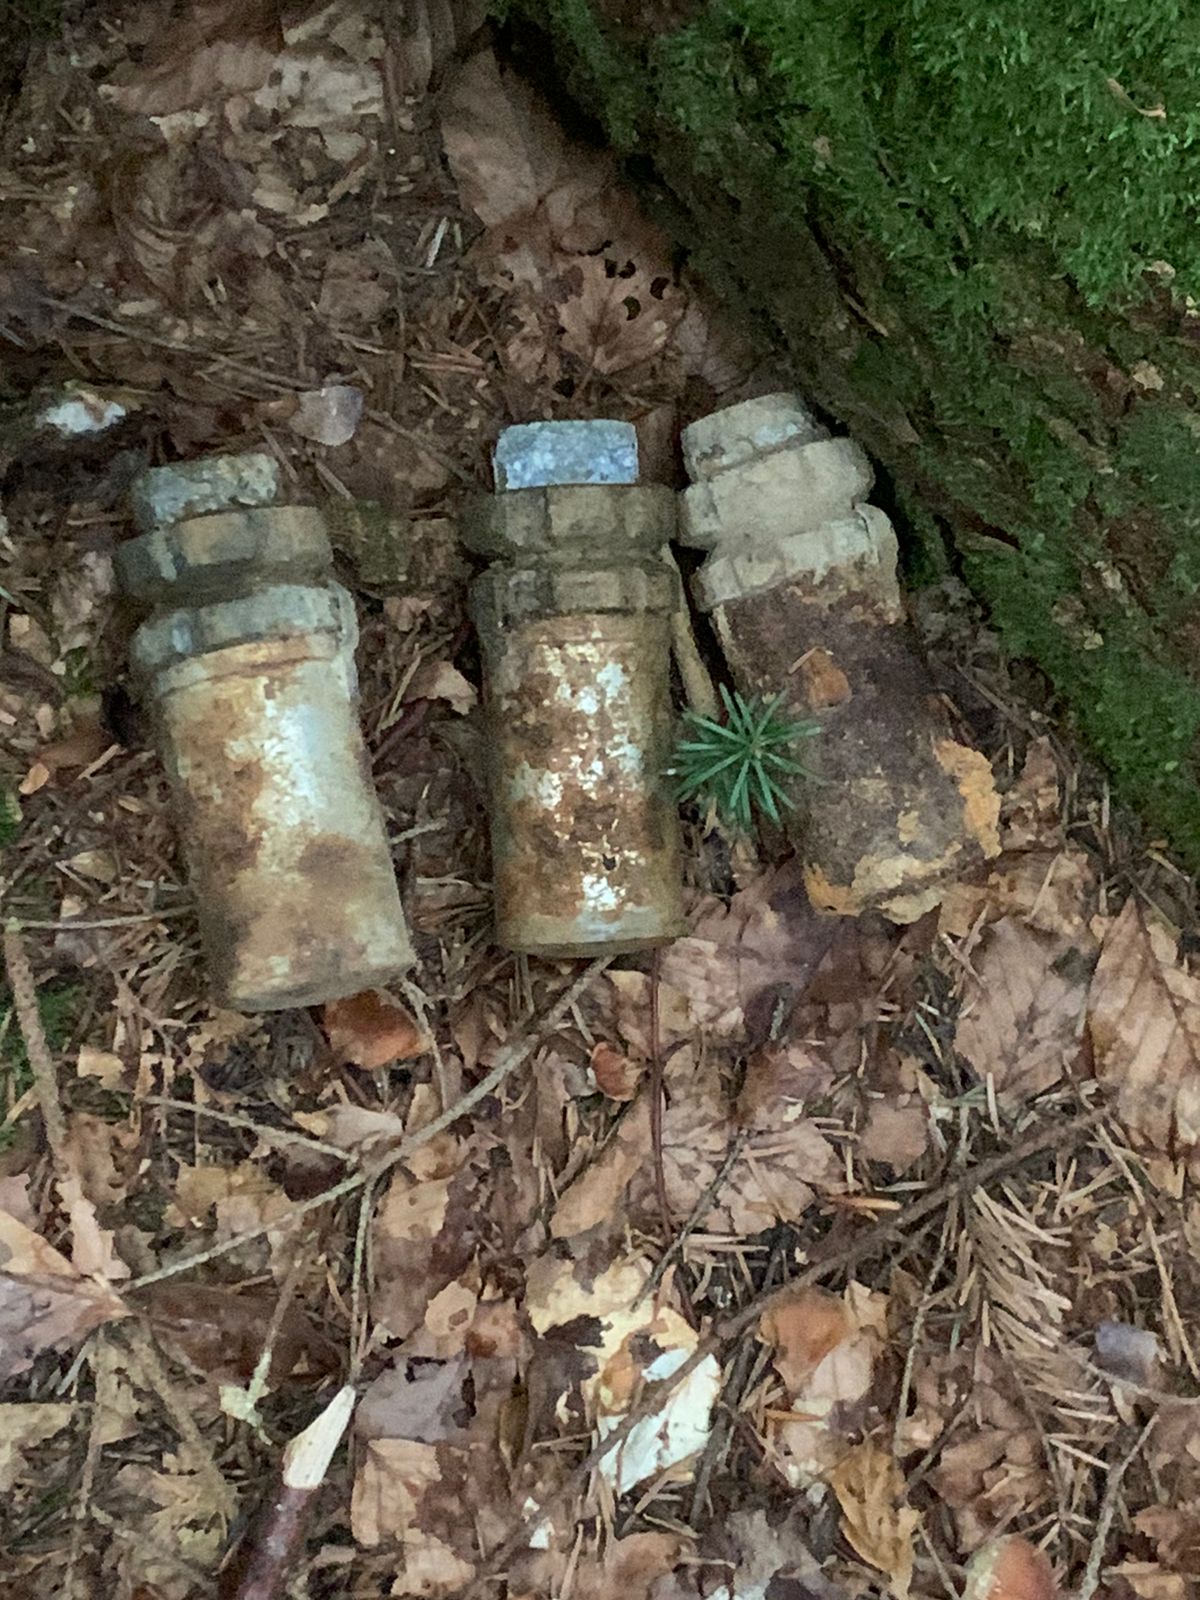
912 1204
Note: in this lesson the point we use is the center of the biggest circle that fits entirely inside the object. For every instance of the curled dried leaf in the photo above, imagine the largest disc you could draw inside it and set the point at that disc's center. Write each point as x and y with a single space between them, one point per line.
372 1030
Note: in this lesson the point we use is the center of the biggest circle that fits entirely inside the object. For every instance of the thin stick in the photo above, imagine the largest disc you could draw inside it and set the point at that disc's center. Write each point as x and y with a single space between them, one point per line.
507 1062
655 1395
41 1064
236 1120
83 1503
679 1243
656 1103
928 1296
89 924
1108 1511
249 1397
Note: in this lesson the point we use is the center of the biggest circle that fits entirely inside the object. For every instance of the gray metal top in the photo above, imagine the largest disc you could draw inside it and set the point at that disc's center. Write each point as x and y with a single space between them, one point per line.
532 455
164 495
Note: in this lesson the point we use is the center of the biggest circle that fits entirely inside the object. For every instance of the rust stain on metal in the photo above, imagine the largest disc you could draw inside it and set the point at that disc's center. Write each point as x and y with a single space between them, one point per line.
255 697
584 836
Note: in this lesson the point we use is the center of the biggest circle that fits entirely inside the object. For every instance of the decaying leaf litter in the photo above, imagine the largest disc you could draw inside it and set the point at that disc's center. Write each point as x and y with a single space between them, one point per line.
864 1244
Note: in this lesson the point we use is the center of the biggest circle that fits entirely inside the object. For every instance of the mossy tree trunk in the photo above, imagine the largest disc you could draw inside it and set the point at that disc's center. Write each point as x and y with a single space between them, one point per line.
972 228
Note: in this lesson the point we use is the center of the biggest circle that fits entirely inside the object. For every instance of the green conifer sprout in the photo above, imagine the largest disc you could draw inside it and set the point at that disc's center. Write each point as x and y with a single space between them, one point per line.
741 764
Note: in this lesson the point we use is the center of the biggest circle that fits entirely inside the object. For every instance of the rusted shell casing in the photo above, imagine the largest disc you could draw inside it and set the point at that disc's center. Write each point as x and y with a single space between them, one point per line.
802 587
585 834
254 692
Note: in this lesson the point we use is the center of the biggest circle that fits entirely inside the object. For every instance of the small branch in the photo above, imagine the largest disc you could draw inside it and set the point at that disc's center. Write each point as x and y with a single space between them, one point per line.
679 1243
1108 1511
873 1238
137 1340
656 1103
41 1063
509 1059
262 1564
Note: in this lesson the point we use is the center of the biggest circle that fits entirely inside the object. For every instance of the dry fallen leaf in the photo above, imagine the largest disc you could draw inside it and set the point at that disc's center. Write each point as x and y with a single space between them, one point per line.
618 313
631 1567
23 1426
441 680
1030 809
45 1302
421 1238
1010 1569
1144 1020
875 1518
424 1404
176 1518
430 31
395 1478
825 1349
221 49
783 1161
896 1134
371 1030
597 1193
616 1075
1023 1009
802 1330
590 273
103 1065
223 1332
628 1341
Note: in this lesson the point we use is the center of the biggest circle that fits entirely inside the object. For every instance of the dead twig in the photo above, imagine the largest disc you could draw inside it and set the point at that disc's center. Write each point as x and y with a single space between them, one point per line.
1108 1511
233 1119
844 1259
262 1564
656 1102
679 1243
87 1479
41 1063
509 1059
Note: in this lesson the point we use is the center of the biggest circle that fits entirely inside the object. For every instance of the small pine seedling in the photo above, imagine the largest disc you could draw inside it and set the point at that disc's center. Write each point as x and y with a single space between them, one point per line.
738 763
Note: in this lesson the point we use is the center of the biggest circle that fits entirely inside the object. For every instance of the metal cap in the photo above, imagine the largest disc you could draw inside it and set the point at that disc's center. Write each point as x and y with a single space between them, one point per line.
598 522
728 437
163 495
531 455
212 554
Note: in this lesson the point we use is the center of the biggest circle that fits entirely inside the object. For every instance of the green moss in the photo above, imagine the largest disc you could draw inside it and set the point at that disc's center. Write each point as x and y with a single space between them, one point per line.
961 223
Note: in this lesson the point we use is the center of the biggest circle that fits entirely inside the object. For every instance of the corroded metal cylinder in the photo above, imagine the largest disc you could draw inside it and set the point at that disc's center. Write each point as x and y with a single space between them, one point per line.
574 619
247 657
802 586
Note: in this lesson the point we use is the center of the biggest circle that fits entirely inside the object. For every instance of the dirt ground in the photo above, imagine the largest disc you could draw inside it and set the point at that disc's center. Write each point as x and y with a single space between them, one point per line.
899 1220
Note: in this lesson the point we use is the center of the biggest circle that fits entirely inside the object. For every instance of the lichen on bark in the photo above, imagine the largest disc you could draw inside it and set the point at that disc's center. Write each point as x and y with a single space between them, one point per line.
971 230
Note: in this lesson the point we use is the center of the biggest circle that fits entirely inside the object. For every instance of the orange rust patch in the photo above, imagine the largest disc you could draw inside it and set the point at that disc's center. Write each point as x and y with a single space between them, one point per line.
972 772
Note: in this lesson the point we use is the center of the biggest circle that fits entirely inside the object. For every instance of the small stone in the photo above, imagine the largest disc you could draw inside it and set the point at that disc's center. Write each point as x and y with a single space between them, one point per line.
328 416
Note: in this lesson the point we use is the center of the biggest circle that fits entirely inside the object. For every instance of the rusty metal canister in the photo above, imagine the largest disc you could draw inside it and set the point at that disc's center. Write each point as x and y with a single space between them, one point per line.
574 619
802 586
247 658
